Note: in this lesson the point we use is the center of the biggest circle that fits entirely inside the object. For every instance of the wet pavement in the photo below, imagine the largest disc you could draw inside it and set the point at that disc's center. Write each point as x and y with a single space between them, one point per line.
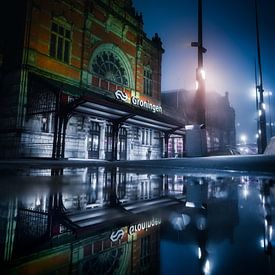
144 217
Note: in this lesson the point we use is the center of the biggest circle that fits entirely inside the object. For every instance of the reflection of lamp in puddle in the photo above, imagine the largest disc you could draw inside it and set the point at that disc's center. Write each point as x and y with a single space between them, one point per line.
245 190
266 200
179 222
37 201
201 222
206 267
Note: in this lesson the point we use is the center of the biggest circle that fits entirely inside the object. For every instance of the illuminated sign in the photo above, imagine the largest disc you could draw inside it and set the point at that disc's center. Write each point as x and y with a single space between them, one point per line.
117 235
120 95
144 225
132 229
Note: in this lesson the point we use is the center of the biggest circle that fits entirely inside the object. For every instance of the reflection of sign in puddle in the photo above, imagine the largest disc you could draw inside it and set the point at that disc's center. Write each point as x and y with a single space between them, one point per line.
118 235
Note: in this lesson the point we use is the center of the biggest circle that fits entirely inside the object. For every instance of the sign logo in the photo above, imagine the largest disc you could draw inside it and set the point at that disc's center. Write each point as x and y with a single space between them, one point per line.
116 235
121 95
133 228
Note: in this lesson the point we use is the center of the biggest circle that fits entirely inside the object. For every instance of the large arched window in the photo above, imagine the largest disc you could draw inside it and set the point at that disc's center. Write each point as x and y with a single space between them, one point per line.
111 63
109 67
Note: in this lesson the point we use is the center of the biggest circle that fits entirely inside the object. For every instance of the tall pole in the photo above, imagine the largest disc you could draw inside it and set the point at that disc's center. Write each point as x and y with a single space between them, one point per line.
200 74
262 117
269 110
257 107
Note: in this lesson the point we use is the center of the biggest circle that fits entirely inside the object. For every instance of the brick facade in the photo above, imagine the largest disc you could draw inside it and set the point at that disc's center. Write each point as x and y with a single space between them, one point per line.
71 48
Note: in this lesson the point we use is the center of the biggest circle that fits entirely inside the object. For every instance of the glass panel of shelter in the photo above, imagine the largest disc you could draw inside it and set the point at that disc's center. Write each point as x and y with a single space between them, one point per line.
93 141
108 142
122 144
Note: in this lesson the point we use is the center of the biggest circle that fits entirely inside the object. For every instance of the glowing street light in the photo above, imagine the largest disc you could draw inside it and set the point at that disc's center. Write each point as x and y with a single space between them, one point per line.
243 138
202 71
269 94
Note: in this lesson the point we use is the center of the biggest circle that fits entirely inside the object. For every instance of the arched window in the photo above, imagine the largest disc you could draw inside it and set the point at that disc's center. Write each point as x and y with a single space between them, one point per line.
109 62
109 67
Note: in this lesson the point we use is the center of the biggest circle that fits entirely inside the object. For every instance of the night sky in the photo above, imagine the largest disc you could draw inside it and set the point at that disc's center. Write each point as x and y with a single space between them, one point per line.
229 34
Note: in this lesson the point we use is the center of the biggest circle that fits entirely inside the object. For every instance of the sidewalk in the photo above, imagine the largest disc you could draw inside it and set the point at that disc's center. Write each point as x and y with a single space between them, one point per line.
254 164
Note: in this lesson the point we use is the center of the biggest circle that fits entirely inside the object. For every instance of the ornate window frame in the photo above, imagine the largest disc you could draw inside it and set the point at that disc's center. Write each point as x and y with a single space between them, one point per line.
118 54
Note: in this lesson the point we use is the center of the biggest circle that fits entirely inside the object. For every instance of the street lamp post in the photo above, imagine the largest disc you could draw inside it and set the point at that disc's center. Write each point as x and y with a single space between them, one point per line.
200 73
200 85
261 108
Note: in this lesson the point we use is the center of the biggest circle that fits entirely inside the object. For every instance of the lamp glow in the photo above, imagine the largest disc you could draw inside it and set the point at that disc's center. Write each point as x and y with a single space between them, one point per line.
203 74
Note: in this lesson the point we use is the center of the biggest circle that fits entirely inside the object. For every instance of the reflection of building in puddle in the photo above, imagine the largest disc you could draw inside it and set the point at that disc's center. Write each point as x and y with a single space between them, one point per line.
129 249
87 188
99 185
72 206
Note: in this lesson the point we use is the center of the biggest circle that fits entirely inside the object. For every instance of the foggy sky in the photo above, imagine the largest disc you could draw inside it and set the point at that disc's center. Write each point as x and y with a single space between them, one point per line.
229 34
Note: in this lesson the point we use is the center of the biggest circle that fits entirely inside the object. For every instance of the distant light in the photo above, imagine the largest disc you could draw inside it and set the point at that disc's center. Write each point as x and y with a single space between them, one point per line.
243 138
203 74
259 131
257 135
197 85
37 202
189 204
260 112
253 93
263 106
189 127
245 191
270 232
267 93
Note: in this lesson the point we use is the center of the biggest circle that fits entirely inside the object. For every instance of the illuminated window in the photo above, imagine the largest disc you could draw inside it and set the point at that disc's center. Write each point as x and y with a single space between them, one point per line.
142 136
108 138
151 137
146 136
46 123
60 45
136 133
93 140
147 82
